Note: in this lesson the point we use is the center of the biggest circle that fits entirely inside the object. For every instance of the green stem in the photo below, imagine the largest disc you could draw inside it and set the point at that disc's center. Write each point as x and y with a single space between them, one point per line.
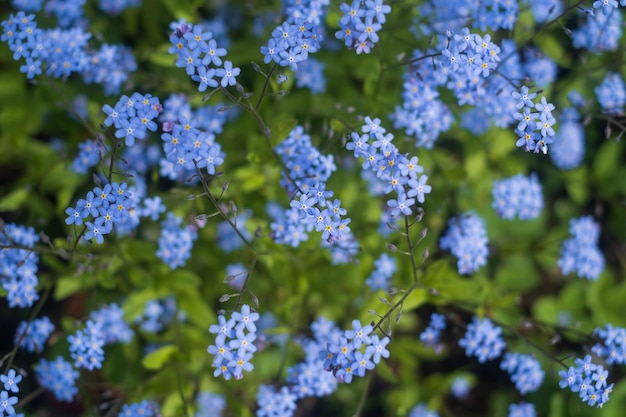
31 396
413 286
368 383
245 283
207 192
265 84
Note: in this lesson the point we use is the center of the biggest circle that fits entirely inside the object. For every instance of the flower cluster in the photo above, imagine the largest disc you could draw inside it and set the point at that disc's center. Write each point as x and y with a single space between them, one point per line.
422 115
113 328
305 378
234 343
607 6
107 206
483 339
86 346
175 242
545 10
470 54
600 33
32 335
421 410
356 352
430 335
384 268
311 75
306 165
360 24
611 94
189 148
518 196
196 51
116 7
460 387
525 371
59 377
568 147
291 43
133 116
18 265
539 68
312 207
613 346
142 409
580 253
316 210
61 52
209 404
275 403
400 173
534 130
589 380
495 14
157 314
522 410
467 239
89 154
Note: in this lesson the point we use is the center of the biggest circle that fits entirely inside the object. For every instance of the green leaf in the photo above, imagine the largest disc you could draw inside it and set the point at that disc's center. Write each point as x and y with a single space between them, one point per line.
250 178
557 405
475 164
576 183
14 200
450 285
157 359
517 273
281 127
180 280
179 9
606 161
417 297
162 57
67 286
545 309
196 308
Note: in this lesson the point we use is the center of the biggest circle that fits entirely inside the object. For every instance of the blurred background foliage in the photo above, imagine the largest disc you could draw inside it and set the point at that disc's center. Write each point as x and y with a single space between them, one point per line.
521 286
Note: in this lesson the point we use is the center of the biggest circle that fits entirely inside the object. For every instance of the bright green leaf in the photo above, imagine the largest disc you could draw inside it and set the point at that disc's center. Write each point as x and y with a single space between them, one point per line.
157 359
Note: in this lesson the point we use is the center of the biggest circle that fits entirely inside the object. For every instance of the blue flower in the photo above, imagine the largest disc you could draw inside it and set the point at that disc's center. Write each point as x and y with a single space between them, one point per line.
466 238
483 339
32 336
96 230
11 381
359 334
7 403
518 196
377 348
525 371
402 205
243 343
524 98
418 188
227 74
205 78
213 54
522 410
580 253
142 409
175 242
86 346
